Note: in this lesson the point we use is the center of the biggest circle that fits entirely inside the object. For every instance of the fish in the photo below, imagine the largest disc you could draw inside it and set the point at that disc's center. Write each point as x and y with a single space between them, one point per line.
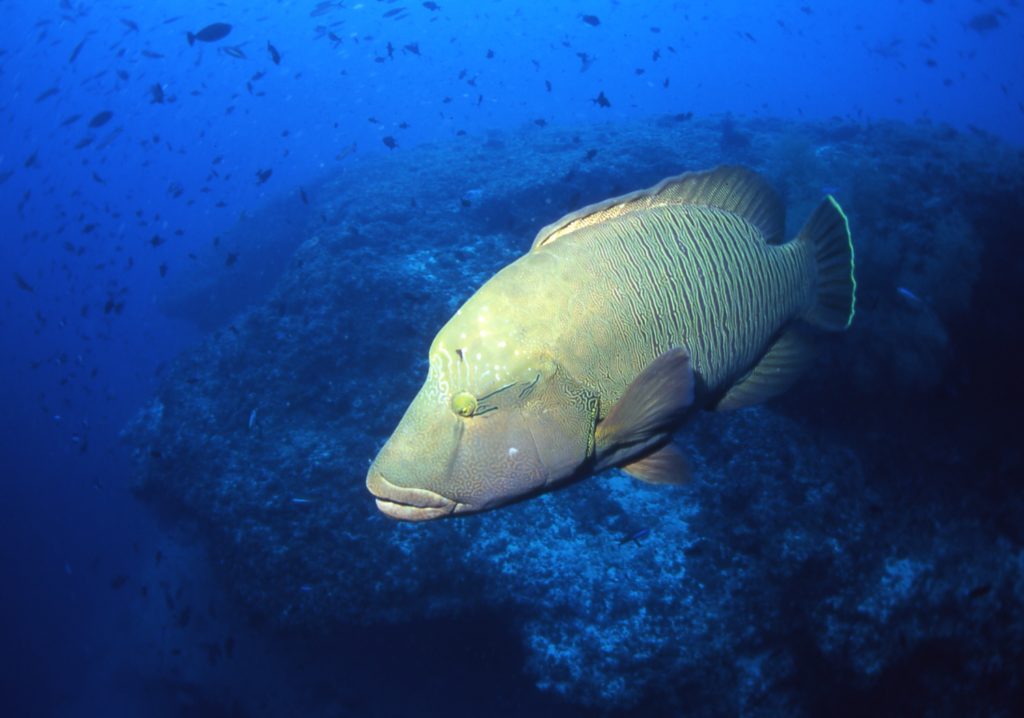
601 100
100 118
76 51
49 92
592 20
235 51
623 320
275 56
390 142
156 92
23 284
210 33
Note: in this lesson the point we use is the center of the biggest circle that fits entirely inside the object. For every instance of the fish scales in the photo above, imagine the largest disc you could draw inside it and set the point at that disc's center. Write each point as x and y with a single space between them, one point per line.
690 276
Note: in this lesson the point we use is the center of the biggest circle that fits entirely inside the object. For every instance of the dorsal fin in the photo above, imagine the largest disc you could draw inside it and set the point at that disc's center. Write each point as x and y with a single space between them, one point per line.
734 189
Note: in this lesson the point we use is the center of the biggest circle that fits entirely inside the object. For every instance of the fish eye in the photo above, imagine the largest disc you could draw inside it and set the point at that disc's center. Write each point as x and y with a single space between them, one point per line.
464 404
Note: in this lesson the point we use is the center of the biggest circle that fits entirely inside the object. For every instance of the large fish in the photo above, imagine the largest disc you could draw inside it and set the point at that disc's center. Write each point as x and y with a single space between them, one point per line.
623 319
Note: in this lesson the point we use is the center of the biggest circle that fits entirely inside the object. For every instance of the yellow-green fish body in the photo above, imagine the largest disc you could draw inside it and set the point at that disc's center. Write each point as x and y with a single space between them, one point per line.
591 350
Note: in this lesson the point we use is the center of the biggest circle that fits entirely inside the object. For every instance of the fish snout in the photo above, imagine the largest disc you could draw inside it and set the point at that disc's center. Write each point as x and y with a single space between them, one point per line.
409 504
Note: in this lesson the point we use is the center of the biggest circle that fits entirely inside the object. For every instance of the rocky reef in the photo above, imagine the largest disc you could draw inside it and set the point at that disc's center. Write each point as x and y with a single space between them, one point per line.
860 536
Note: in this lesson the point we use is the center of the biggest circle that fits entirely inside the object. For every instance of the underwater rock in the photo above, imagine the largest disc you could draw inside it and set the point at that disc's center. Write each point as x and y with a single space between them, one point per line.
847 532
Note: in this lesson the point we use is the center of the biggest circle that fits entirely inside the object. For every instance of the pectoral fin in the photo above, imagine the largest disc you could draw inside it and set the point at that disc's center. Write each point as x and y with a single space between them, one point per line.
667 465
651 404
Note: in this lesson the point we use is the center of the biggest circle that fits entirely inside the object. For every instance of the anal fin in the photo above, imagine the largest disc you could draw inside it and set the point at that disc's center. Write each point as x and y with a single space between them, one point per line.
667 465
777 370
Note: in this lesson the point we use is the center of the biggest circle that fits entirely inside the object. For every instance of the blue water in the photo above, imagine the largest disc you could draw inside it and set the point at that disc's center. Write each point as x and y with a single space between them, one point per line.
95 231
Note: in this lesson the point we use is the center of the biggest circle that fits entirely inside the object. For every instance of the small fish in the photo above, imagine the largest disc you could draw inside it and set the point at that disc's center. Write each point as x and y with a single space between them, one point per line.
156 92
979 591
412 47
152 55
252 419
163 273
231 259
432 6
592 20
70 120
23 284
210 33
76 51
118 581
909 296
263 175
391 142
275 56
235 51
601 100
84 142
100 118
130 24
299 500
50 92
394 11
983 22
345 152
635 537
303 196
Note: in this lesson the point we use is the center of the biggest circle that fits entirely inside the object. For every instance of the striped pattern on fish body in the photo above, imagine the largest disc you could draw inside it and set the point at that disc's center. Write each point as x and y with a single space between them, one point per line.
696 277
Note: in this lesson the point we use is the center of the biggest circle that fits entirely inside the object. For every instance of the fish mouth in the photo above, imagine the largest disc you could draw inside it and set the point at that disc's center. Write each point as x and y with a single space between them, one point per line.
407 504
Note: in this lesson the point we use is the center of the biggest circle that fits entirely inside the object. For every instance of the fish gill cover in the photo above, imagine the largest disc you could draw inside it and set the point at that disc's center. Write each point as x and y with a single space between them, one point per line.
249 219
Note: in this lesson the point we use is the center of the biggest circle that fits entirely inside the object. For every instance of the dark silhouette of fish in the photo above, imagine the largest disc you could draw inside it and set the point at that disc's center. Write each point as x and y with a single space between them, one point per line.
23 284
210 33
275 56
101 118
601 100
592 20
157 93
50 92
263 175
70 120
983 22
432 6
391 142
78 49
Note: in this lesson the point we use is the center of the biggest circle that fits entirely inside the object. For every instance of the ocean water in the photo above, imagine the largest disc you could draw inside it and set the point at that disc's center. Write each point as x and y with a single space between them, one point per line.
226 249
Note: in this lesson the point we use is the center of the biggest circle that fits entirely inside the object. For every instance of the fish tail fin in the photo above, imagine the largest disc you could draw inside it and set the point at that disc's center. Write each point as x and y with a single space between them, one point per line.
826 236
191 38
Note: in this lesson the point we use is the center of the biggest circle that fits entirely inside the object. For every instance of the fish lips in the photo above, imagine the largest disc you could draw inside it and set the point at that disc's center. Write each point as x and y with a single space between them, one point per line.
407 504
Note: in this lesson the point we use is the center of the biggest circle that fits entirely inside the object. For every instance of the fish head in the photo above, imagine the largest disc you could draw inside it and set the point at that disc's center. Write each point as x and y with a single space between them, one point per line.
481 434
